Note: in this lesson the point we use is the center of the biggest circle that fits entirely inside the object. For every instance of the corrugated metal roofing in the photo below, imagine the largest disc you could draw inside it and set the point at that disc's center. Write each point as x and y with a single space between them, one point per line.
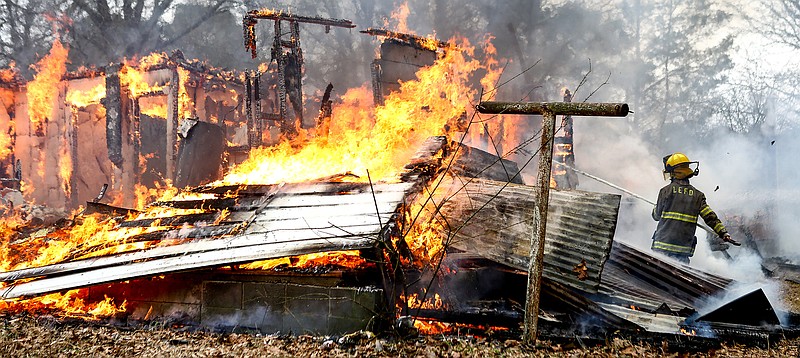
652 322
495 220
633 277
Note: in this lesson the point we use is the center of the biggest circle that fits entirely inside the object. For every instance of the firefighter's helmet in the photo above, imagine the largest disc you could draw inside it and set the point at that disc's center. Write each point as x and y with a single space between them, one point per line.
679 166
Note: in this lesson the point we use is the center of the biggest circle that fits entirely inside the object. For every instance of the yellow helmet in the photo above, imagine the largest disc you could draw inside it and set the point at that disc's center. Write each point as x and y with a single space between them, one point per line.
675 160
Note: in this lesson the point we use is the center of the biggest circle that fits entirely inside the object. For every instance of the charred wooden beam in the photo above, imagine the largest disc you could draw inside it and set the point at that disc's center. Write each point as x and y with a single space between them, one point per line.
280 15
414 40
176 220
95 207
251 18
482 317
172 122
113 104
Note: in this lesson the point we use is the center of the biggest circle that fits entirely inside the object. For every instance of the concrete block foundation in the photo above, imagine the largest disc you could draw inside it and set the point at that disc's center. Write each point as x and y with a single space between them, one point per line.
262 303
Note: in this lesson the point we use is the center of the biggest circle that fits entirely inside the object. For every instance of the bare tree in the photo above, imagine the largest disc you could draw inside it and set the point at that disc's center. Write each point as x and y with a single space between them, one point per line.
679 88
103 32
779 20
25 30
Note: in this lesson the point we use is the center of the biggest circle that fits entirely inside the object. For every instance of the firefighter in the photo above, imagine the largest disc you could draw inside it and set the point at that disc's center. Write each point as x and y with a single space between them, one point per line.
677 208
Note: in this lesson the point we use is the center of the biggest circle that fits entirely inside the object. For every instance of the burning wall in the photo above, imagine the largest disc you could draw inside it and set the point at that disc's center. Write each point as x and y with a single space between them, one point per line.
115 125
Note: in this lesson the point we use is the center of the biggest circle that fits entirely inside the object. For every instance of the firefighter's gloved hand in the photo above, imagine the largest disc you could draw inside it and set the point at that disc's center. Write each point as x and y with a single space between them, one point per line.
727 238
716 243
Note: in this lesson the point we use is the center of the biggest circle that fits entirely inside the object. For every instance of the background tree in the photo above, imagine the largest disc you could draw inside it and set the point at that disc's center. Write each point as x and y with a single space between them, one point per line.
687 61
26 31
103 32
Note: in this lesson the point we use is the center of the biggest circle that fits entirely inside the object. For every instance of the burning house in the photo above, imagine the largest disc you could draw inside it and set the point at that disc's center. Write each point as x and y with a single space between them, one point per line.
361 217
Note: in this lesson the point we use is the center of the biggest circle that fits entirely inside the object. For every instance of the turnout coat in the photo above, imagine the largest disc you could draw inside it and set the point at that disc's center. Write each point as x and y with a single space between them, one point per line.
676 211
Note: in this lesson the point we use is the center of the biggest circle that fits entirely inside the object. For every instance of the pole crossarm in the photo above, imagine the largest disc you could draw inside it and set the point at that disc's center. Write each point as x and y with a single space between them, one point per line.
548 110
557 108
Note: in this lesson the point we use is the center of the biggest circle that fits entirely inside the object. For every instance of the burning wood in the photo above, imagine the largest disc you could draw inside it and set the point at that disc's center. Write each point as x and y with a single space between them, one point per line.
414 40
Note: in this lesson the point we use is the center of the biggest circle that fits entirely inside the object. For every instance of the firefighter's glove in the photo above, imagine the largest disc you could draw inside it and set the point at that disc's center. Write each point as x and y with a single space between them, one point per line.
717 244
727 238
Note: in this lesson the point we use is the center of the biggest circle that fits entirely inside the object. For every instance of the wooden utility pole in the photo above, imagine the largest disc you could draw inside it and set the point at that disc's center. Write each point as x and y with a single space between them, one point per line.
548 112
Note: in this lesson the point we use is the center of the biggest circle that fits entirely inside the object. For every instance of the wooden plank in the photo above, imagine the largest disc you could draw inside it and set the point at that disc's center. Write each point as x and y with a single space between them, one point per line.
325 211
186 262
240 216
344 222
176 220
304 188
282 201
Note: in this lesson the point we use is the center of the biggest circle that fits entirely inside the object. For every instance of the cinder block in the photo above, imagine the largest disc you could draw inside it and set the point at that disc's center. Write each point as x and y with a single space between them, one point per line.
222 294
264 306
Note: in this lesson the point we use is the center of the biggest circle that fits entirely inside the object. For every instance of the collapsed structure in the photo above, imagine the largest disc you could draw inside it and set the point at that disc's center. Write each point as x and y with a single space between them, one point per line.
441 243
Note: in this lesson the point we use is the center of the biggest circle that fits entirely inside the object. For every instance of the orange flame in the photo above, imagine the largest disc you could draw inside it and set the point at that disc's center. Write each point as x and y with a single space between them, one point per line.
363 138
346 259
43 90
133 78
431 327
71 304
80 99
185 106
401 16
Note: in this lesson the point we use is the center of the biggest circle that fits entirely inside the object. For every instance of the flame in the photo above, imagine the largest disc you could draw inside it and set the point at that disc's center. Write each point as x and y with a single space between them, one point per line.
133 78
401 16
65 167
266 12
688 332
8 74
42 91
81 99
424 238
71 304
155 111
346 259
185 106
431 327
363 138
413 301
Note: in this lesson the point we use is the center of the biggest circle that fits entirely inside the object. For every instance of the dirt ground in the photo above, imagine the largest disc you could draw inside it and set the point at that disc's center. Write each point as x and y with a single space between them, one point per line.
46 336
27 336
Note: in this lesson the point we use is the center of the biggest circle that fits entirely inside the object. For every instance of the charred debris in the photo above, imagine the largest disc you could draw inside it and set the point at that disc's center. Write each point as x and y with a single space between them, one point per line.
328 256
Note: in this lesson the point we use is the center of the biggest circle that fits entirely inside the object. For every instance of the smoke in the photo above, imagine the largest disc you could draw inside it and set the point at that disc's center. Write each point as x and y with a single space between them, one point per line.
748 180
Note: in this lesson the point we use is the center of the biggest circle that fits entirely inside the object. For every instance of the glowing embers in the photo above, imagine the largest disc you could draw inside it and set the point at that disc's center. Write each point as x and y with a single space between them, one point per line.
313 262
431 327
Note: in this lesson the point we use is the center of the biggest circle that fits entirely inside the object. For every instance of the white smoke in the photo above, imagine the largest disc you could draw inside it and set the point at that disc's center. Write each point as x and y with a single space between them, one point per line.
735 174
